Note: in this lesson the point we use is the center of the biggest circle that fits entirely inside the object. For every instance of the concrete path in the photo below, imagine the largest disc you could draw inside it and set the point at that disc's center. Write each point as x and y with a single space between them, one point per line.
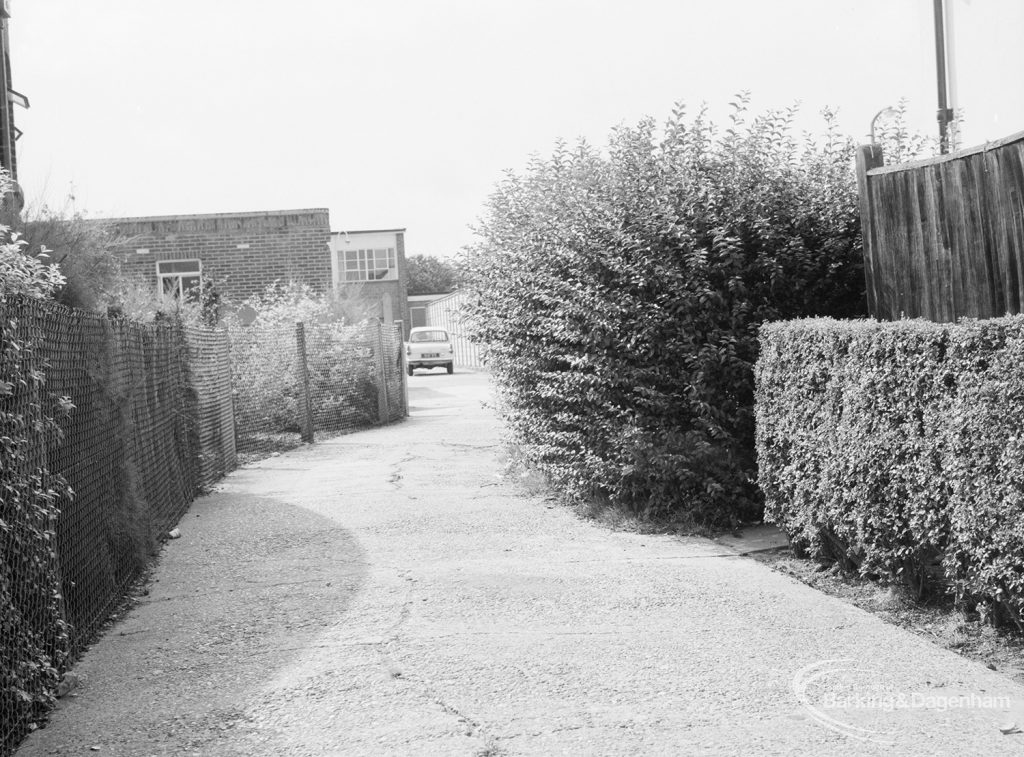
387 593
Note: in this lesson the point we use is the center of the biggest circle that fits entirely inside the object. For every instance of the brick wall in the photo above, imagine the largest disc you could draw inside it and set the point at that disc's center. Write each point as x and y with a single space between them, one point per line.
244 252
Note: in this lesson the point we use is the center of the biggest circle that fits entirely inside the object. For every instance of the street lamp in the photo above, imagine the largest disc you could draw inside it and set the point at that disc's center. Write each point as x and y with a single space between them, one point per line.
887 111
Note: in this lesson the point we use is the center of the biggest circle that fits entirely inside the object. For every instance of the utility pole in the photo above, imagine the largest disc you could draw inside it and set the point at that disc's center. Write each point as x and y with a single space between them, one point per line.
7 130
945 114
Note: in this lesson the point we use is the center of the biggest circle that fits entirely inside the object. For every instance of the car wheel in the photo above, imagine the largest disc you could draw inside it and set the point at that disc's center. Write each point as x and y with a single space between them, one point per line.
410 369
451 368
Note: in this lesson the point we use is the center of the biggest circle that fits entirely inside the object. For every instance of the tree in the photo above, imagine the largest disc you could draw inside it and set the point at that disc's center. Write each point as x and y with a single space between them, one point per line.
430 275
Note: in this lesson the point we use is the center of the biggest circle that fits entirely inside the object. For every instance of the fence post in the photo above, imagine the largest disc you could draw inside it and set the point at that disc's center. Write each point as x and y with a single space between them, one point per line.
403 374
868 157
383 413
305 405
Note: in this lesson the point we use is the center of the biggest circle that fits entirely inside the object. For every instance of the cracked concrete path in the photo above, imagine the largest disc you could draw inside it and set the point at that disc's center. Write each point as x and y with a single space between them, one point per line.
387 593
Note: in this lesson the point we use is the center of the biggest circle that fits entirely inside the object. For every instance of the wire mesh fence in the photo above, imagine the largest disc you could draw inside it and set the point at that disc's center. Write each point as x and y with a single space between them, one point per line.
135 419
293 381
128 454
109 428
209 359
34 642
392 351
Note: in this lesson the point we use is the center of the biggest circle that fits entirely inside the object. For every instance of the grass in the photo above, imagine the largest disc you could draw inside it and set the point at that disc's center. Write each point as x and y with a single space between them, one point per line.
491 749
251 447
255 446
532 483
938 621
618 518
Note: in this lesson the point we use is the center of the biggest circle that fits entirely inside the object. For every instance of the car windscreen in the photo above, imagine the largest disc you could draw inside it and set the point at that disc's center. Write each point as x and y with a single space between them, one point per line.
429 336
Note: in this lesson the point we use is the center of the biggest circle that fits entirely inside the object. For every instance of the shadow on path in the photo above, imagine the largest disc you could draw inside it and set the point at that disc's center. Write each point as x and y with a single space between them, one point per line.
252 583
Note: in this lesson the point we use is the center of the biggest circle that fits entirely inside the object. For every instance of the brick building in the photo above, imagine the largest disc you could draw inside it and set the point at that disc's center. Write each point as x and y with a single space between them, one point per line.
246 252
242 252
371 265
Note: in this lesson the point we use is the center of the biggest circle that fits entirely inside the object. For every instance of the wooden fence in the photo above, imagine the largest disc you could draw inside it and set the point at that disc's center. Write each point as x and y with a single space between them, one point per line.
944 237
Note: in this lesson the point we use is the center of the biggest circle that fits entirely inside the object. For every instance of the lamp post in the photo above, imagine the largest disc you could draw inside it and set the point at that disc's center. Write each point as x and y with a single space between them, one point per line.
886 111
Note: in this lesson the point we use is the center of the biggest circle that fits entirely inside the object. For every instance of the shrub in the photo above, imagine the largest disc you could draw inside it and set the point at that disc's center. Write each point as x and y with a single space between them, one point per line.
288 303
619 294
340 362
138 300
83 250
898 449
24 275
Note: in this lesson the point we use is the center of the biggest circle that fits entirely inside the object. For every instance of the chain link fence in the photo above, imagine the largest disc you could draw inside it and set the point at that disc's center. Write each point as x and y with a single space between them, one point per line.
108 430
393 375
209 360
293 381
128 453
141 421
34 643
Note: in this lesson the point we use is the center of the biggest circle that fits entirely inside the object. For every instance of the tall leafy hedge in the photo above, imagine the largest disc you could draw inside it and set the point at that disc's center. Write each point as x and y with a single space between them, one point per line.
898 449
620 291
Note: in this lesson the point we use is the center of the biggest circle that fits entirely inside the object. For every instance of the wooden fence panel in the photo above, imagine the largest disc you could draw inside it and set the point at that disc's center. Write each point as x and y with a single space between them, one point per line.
944 238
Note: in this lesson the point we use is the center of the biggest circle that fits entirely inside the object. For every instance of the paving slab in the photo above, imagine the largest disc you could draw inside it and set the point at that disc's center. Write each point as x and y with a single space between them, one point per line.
391 593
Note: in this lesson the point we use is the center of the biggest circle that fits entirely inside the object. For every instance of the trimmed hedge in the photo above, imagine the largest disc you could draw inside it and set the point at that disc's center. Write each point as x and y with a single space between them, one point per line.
898 449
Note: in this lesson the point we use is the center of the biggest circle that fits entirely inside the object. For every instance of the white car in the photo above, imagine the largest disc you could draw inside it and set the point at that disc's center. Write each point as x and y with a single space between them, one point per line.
429 347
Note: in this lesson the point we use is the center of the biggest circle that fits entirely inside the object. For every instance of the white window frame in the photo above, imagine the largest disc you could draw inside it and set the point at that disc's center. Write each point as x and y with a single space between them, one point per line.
179 291
368 264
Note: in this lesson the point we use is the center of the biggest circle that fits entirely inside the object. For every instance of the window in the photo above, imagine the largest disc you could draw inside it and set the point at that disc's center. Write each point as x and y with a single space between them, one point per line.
438 335
175 277
369 265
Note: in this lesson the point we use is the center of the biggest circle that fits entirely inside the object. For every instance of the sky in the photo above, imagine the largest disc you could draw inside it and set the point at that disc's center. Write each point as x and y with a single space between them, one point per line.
406 113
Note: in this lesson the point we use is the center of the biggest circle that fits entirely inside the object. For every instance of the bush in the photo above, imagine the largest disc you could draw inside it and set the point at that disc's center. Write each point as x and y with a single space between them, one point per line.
620 293
138 300
898 449
340 361
83 250
24 275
